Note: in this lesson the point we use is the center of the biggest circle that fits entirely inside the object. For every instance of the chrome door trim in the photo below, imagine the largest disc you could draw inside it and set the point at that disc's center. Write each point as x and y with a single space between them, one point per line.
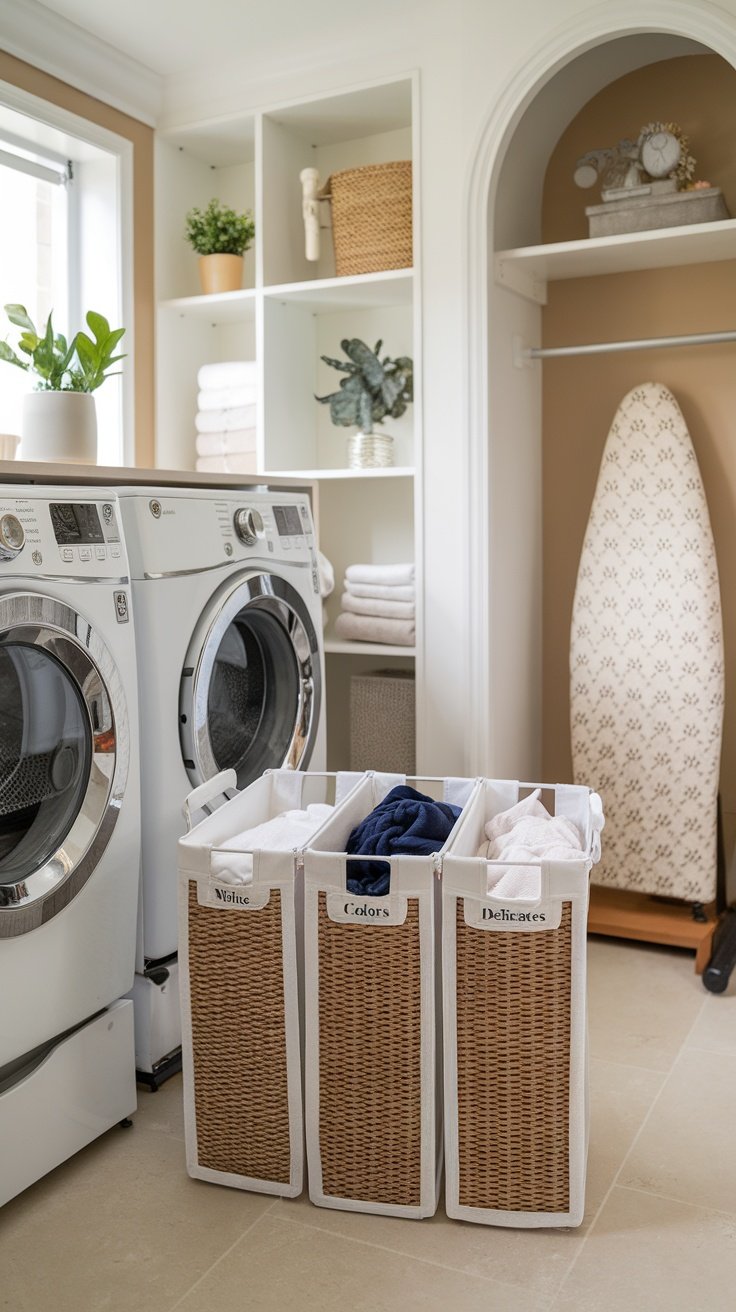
45 622
263 591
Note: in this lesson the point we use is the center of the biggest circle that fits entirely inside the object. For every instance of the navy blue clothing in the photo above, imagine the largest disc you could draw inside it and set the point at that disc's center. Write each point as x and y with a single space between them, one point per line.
405 823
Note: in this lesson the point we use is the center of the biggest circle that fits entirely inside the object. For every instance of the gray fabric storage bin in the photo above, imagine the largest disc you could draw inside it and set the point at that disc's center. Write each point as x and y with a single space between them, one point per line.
383 721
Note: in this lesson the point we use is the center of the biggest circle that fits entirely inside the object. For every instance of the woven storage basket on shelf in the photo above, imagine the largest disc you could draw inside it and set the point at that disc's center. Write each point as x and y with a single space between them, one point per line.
239 988
372 1052
514 986
371 217
383 721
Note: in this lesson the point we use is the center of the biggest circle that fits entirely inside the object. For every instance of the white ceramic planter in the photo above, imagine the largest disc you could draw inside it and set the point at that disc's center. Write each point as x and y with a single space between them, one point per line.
370 451
59 426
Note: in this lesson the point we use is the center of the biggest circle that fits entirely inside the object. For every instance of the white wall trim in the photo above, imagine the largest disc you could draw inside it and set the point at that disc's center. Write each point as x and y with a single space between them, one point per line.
694 19
43 38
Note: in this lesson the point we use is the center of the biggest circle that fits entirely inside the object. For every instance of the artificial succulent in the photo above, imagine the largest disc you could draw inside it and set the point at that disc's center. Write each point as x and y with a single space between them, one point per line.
372 389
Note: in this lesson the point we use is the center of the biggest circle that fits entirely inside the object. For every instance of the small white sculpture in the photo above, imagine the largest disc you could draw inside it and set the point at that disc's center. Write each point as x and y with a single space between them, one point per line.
309 179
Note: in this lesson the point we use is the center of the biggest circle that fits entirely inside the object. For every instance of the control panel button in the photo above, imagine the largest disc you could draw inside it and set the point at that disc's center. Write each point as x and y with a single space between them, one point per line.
67 553
248 525
12 536
115 553
85 553
101 553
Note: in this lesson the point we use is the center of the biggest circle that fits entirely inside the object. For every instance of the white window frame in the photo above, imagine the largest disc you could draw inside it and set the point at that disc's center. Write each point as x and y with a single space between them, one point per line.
121 150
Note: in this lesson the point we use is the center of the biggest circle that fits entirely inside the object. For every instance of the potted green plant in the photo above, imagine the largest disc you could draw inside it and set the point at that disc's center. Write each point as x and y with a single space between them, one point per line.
220 236
59 419
372 389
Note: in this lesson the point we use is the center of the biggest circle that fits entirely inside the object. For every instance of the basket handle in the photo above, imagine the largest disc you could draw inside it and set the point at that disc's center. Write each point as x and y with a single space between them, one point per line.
597 820
206 793
523 903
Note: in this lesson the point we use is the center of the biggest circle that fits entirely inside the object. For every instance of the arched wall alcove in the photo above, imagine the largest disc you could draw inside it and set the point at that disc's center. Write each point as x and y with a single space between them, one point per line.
504 420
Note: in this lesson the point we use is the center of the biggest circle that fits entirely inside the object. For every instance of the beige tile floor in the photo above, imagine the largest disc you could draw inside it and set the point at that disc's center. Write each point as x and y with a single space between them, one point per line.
122 1227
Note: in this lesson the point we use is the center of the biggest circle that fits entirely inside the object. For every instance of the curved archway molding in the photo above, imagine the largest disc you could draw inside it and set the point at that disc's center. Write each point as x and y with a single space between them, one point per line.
705 23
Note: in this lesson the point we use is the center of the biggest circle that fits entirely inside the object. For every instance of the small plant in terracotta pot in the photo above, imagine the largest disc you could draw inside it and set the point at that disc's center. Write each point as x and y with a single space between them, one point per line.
220 236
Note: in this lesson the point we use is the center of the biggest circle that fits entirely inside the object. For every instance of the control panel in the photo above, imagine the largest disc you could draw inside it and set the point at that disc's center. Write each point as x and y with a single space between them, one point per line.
52 535
176 532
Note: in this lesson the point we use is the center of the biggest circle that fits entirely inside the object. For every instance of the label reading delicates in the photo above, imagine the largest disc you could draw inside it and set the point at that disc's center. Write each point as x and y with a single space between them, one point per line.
349 909
507 916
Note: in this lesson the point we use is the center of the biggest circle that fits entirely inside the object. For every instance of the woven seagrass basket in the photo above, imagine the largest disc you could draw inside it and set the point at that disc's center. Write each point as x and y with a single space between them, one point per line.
371 217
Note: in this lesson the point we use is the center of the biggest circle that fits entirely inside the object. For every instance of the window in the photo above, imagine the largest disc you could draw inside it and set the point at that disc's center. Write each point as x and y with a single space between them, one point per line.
61 250
34 252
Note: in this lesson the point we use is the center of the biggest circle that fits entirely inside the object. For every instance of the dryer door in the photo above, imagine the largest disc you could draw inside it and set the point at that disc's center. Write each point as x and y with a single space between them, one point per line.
63 757
251 686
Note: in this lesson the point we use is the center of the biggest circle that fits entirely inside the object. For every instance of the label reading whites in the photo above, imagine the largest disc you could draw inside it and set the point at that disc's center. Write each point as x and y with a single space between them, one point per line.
232 897
352 909
507 916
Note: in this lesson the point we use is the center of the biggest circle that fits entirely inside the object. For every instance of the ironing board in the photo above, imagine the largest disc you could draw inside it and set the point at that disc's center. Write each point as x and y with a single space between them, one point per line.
646 656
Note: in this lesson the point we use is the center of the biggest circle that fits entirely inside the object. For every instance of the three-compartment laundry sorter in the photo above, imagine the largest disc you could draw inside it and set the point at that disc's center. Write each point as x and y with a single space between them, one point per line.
313 1011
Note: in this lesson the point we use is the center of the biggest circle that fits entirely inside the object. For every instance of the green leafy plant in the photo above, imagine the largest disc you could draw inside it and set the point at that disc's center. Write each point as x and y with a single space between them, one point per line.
373 388
218 230
81 365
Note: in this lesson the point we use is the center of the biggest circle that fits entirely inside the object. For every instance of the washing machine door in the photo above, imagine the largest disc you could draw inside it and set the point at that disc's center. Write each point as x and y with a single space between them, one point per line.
251 686
63 757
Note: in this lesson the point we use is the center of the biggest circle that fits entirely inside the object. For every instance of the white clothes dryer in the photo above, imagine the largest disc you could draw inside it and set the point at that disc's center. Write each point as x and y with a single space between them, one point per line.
69 826
230 671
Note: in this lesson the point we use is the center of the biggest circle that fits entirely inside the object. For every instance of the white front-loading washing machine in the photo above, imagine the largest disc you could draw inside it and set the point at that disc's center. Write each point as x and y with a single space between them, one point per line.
69 826
230 672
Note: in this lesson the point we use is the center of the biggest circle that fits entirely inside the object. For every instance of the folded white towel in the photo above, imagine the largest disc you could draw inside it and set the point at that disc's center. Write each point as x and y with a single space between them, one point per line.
282 833
225 421
391 610
228 373
226 444
226 398
326 575
373 628
526 832
383 574
244 462
389 591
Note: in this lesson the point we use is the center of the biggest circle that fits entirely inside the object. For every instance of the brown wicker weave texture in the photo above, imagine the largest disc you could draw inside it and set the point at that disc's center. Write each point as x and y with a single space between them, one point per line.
513 1056
371 218
236 981
370 1060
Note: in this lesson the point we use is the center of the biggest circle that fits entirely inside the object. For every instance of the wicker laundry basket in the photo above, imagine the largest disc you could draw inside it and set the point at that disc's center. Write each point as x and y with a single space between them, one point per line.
383 721
372 1052
515 1043
239 985
371 217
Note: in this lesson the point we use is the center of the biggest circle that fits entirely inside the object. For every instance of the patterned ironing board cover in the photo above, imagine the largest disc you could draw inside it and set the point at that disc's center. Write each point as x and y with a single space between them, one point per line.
646 656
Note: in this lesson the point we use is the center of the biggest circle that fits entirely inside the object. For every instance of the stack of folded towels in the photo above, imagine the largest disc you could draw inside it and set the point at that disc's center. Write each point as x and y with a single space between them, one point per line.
226 417
377 605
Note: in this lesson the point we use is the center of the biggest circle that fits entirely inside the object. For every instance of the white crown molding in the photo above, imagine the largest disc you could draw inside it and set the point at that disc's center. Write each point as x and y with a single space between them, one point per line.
43 38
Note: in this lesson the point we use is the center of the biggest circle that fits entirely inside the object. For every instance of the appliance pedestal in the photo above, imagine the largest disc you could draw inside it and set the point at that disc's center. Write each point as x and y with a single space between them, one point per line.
83 1086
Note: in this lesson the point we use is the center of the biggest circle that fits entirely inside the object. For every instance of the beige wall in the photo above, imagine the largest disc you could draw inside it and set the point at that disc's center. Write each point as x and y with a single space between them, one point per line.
581 395
30 79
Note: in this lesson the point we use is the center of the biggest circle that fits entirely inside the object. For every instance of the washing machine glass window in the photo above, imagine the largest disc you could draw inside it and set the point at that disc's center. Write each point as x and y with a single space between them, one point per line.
249 694
63 757
254 691
45 756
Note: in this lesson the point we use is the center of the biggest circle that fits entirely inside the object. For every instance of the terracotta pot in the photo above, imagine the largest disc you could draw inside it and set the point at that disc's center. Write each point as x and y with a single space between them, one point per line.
221 273
59 426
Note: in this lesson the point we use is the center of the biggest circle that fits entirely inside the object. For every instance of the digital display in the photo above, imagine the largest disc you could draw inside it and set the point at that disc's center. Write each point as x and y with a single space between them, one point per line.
74 523
288 523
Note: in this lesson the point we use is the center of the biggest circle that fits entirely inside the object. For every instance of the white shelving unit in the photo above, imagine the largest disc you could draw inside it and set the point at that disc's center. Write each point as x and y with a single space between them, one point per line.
289 314
528 269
